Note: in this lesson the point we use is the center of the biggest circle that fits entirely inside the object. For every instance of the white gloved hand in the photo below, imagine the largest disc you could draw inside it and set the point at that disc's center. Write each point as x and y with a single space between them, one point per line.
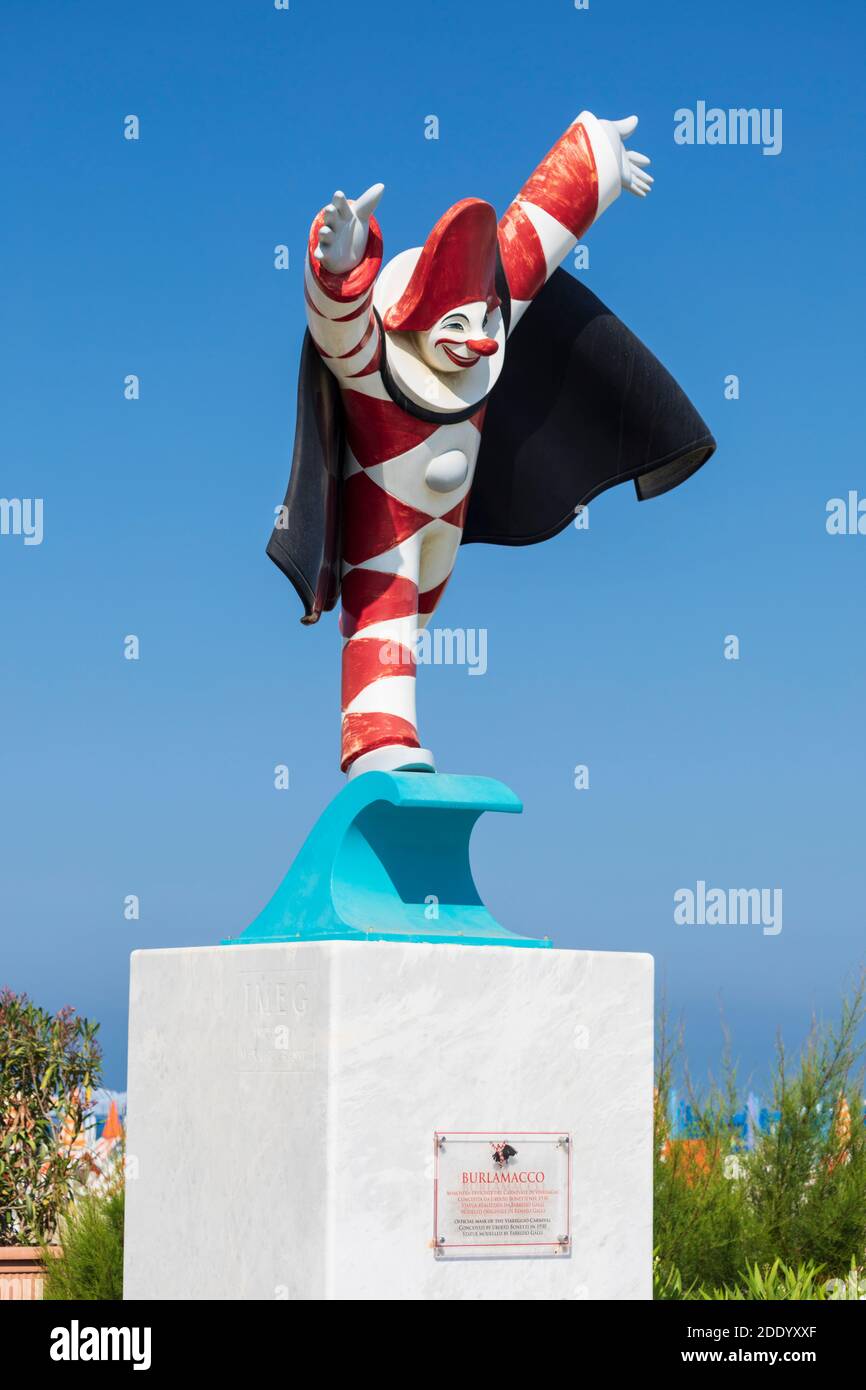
632 166
343 234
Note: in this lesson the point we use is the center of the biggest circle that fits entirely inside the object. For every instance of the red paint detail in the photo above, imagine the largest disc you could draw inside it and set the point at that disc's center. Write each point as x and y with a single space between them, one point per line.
364 732
481 347
351 283
379 430
478 418
429 599
565 184
485 347
369 659
362 308
369 596
320 350
522 254
311 305
363 341
455 357
375 521
372 366
457 515
457 266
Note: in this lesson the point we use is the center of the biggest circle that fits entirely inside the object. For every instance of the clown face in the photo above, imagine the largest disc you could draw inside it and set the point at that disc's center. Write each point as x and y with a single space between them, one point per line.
459 338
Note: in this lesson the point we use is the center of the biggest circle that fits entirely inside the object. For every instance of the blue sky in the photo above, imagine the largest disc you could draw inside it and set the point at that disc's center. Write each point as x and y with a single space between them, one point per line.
155 257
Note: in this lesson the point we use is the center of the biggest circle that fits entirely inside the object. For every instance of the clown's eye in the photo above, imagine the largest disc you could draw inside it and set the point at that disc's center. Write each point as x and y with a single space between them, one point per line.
454 325
484 321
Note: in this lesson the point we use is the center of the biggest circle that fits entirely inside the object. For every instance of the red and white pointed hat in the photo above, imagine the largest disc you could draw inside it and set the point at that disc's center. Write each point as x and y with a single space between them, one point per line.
457 265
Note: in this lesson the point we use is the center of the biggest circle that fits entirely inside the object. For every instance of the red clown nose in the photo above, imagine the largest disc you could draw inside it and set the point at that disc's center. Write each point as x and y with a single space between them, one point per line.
457 266
485 347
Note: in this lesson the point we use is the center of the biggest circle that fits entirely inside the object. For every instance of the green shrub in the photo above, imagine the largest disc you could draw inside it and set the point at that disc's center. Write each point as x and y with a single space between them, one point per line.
47 1064
795 1206
776 1283
668 1283
91 1238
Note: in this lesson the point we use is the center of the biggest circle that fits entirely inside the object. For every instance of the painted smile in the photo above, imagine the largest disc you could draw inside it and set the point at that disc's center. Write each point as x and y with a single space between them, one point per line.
456 357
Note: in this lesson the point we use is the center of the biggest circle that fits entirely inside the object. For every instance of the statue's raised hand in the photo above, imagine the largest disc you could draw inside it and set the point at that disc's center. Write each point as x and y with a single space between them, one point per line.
343 234
632 166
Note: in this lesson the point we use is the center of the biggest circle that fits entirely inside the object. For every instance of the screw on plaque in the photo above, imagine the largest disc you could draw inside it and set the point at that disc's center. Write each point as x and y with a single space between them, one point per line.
562 1141
440 1141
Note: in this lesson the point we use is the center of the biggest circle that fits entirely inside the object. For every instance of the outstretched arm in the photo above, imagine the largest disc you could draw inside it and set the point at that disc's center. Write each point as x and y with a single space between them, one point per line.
573 185
345 253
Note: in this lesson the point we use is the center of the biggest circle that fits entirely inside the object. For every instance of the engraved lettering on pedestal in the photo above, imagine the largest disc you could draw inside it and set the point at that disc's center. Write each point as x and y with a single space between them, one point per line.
275 1021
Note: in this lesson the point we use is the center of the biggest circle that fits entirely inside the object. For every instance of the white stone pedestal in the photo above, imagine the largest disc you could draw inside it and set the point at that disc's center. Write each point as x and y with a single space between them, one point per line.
283 1101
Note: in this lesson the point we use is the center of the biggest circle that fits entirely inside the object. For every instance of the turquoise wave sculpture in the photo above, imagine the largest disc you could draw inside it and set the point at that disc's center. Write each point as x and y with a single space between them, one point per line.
388 860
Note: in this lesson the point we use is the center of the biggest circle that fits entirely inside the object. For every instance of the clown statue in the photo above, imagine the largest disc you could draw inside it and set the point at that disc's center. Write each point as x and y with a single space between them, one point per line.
467 391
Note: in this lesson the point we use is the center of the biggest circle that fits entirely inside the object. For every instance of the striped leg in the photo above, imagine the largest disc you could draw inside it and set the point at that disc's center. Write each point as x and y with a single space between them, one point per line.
379 622
392 548
385 601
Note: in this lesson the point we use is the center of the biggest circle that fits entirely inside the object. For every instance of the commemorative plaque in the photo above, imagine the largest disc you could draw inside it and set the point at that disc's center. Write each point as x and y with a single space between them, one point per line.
502 1193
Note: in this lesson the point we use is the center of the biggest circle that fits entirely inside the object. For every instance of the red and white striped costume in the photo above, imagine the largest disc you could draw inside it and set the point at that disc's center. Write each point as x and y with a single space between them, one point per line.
400 536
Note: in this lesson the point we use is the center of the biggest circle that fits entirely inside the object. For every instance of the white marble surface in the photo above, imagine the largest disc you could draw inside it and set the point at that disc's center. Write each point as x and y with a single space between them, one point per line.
283 1100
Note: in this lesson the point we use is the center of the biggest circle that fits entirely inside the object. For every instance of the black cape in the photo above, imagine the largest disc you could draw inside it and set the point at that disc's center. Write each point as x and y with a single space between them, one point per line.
579 406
